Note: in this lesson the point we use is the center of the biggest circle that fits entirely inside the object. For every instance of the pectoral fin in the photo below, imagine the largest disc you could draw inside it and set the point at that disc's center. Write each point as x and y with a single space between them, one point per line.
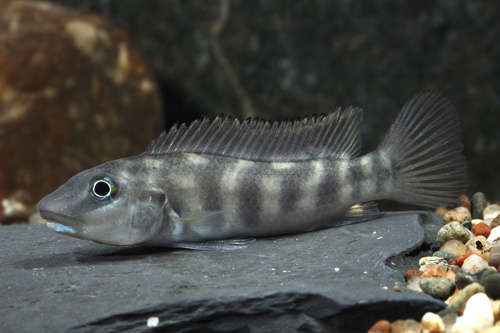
217 245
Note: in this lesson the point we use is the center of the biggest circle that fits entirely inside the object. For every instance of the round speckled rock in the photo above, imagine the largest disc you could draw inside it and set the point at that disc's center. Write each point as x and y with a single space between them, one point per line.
432 260
453 230
440 288
463 201
459 214
463 279
490 280
454 247
478 202
458 300
449 257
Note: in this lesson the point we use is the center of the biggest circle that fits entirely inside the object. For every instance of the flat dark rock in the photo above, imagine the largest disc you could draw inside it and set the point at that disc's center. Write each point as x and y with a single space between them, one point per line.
339 279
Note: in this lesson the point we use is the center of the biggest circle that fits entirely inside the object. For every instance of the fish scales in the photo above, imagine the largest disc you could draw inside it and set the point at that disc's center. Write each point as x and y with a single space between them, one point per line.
206 185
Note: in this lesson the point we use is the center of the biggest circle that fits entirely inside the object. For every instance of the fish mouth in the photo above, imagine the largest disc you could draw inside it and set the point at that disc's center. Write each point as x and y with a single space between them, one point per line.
60 228
51 218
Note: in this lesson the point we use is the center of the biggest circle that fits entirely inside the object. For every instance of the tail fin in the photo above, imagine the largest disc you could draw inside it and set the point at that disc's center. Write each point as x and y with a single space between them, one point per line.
424 145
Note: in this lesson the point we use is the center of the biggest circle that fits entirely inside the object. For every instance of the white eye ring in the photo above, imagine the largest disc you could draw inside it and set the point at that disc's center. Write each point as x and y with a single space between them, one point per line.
103 188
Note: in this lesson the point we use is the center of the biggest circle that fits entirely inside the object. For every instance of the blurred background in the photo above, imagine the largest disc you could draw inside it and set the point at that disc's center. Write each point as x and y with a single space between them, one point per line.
86 81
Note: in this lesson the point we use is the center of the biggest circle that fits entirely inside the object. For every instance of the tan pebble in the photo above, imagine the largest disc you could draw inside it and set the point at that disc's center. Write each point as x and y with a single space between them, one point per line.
478 245
459 214
491 211
396 288
492 329
432 322
474 264
450 275
495 306
381 326
441 210
457 300
406 325
494 235
454 246
413 283
495 222
433 260
476 221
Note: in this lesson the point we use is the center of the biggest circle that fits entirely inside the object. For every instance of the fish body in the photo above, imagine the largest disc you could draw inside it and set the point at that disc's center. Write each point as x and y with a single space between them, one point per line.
203 185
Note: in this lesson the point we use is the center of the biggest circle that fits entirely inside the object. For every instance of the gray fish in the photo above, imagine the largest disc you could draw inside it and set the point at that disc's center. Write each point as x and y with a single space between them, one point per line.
219 184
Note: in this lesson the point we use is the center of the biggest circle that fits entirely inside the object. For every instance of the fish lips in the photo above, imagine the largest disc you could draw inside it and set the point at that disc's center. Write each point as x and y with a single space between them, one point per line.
59 223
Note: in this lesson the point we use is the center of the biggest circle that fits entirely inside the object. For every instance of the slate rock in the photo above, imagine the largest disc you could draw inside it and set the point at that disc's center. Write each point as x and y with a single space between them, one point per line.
478 202
338 279
74 92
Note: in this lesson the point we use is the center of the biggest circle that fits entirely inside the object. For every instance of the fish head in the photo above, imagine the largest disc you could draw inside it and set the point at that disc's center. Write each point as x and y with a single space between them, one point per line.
108 204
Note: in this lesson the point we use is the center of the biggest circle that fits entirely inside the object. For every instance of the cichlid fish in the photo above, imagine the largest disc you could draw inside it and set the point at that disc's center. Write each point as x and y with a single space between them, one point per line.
218 184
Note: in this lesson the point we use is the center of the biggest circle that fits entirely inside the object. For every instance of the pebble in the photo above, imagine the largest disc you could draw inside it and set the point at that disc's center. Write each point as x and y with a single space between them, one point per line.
494 252
454 247
479 245
474 264
459 214
449 257
433 260
492 329
463 279
481 229
463 201
432 322
490 213
453 230
495 306
478 203
408 325
381 326
460 297
494 235
411 273
460 260
490 280
438 270
477 313
437 287
495 222
468 224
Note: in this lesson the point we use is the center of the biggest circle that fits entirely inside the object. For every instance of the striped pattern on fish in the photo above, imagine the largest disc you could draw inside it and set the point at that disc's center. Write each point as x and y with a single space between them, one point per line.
197 186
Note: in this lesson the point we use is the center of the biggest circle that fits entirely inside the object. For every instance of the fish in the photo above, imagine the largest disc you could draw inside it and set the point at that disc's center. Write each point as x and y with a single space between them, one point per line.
222 183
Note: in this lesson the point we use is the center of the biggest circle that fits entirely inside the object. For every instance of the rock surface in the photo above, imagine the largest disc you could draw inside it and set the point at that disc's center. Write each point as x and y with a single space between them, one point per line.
338 279
74 92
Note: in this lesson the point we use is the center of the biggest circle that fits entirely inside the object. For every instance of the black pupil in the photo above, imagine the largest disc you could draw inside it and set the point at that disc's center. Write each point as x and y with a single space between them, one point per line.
102 188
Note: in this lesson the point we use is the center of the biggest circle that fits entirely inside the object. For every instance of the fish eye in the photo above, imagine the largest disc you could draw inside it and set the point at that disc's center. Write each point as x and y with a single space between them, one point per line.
102 188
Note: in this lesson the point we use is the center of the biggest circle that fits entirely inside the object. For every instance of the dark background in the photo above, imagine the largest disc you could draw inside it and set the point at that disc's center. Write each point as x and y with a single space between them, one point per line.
282 59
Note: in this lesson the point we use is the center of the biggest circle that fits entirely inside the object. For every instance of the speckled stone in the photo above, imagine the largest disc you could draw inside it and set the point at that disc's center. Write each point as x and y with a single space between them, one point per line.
459 214
478 202
449 257
432 322
437 287
479 245
491 283
458 299
463 279
454 247
432 260
453 230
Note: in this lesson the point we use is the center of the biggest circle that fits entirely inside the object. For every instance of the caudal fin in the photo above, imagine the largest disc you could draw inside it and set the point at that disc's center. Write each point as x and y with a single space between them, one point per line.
424 145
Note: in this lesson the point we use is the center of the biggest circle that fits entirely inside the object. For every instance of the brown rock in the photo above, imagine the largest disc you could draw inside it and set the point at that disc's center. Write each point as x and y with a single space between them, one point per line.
74 93
481 229
459 214
412 272
463 201
495 222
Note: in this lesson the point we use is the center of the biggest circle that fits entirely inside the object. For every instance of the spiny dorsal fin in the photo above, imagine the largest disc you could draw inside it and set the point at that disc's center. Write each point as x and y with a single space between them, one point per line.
335 135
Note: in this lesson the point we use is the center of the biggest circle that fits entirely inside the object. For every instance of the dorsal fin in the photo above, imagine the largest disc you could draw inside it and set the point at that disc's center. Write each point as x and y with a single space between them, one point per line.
335 135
